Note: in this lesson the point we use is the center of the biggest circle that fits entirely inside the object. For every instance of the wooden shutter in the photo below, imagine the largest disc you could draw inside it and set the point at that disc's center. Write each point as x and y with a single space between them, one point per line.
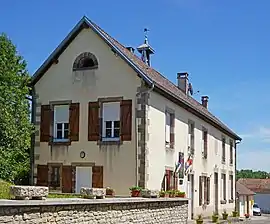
42 175
74 121
45 124
97 176
208 190
93 121
172 120
205 141
126 120
200 190
67 179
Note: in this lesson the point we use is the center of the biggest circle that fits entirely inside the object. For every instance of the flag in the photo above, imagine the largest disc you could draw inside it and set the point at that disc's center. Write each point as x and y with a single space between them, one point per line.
188 164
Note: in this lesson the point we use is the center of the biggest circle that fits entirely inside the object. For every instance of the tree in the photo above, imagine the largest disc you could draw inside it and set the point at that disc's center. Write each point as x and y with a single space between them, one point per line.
15 126
251 174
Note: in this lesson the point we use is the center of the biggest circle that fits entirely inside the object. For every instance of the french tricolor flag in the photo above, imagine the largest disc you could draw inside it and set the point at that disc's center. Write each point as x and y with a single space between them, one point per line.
188 164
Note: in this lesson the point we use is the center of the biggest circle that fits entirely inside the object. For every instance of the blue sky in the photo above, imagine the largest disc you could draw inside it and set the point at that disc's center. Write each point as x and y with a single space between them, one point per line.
224 45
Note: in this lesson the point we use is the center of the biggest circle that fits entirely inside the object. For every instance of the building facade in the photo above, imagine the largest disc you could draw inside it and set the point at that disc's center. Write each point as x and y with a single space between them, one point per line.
105 118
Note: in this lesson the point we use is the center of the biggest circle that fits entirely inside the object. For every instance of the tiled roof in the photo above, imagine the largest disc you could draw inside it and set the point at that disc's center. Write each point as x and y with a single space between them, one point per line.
242 190
158 79
164 83
256 185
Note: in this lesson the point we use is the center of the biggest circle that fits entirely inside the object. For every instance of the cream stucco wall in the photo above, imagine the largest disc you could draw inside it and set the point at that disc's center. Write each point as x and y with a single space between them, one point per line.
159 156
113 78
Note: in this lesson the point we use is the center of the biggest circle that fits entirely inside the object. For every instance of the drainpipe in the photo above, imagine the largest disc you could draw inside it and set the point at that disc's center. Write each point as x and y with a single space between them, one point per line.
235 193
32 147
136 131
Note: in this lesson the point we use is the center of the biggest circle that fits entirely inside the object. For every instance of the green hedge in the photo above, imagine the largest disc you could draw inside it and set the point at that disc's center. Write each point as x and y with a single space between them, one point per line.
4 190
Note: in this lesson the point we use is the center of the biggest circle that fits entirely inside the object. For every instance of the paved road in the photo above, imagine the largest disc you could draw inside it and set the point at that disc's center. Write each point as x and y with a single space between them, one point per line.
264 219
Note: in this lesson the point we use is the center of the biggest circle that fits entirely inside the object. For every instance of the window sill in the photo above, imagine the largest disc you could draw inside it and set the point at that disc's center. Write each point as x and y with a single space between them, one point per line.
86 68
231 164
60 143
169 148
223 162
223 202
231 201
110 141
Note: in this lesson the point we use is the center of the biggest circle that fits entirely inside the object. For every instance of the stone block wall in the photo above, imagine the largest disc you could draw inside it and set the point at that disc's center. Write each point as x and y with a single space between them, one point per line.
146 211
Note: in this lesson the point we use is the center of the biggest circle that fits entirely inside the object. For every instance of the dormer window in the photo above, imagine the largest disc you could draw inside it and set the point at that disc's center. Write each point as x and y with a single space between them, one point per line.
85 61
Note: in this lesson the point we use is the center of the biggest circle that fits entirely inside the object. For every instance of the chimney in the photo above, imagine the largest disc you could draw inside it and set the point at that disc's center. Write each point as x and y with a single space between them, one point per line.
131 49
205 101
182 78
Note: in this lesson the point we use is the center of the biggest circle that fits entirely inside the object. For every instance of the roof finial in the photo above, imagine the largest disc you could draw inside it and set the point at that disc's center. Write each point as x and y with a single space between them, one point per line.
146 35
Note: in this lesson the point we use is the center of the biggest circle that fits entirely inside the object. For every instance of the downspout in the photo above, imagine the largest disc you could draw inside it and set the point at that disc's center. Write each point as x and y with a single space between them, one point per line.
235 193
136 132
32 147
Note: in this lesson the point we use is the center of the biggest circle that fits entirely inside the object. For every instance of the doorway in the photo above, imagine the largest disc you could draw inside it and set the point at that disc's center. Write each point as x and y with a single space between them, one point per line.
83 177
216 190
191 194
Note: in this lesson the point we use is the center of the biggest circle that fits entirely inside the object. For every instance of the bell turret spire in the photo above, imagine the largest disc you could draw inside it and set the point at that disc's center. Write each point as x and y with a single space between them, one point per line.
145 49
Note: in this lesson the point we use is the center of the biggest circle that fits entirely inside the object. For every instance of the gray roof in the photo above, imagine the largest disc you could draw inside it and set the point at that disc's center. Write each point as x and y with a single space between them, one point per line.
148 74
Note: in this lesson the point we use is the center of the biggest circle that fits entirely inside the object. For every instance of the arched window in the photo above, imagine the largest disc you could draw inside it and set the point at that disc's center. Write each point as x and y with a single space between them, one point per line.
85 61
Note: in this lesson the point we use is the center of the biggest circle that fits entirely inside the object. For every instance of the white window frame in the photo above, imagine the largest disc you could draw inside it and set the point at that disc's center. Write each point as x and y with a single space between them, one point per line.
113 117
55 122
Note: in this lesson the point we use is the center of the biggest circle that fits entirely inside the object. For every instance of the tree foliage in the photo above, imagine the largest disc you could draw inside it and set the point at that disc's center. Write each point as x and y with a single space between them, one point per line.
15 126
252 174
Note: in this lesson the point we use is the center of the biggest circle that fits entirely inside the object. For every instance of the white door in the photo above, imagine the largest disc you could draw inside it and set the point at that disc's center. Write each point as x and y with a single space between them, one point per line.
241 207
83 178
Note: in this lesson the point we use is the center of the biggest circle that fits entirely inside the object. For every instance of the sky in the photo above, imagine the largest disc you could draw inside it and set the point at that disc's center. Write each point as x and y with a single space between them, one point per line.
223 45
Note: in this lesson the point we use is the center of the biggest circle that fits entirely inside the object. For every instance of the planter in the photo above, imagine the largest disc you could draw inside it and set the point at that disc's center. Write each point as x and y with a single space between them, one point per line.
171 195
150 193
165 195
199 221
110 192
235 213
224 216
214 218
135 193
180 195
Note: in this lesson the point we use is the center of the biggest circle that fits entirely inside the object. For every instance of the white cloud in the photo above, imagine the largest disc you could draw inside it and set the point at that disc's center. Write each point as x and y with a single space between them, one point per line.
262 134
255 160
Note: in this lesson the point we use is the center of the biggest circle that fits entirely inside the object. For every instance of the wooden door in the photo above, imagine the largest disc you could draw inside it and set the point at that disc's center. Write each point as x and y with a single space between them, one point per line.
97 176
67 179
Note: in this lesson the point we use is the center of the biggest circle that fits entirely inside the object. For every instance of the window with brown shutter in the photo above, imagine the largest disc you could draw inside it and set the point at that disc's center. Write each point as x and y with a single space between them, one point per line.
93 122
126 120
205 142
200 190
169 129
74 121
42 175
208 190
97 176
45 123
231 152
66 179
172 124
204 189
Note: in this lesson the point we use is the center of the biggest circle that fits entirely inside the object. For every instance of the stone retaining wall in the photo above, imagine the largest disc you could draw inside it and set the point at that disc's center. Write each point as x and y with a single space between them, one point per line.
114 210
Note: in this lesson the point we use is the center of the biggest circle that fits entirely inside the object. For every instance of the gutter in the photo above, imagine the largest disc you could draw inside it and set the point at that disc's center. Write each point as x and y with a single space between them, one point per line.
235 193
136 133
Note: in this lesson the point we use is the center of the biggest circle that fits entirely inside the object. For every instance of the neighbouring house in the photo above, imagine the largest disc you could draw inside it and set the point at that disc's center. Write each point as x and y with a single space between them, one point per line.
105 118
256 185
245 200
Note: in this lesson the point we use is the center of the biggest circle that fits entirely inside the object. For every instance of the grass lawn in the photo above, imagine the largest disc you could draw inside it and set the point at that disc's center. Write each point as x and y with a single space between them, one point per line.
4 190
